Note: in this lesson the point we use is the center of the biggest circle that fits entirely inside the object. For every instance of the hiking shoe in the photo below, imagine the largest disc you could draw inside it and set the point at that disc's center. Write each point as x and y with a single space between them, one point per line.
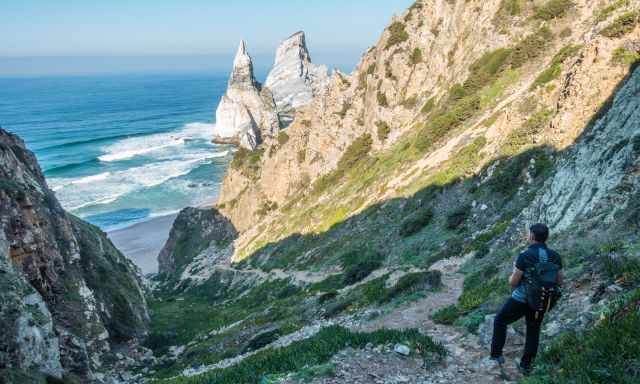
493 363
524 368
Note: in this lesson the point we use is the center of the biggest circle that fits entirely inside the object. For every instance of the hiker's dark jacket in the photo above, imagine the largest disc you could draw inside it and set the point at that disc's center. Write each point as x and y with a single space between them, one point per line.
527 259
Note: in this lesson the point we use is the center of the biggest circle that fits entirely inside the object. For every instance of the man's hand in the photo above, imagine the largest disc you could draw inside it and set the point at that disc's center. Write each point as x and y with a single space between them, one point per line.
515 278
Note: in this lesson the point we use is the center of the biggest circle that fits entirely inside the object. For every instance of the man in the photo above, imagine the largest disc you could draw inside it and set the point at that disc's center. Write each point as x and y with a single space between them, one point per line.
517 307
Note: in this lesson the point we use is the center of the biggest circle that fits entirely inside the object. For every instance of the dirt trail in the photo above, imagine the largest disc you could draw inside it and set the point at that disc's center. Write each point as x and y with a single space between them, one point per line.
465 361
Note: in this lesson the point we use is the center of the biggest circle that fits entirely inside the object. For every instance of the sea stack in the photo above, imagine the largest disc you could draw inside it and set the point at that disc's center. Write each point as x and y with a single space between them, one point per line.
246 114
294 80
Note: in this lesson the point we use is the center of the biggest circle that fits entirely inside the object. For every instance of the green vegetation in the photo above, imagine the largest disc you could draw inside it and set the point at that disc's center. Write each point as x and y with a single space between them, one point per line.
247 161
397 34
605 354
358 150
428 106
283 138
383 130
358 264
446 315
511 7
410 102
623 56
622 25
413 282
267 206
382 99
525 135
313 351
416 221
605 12
555 69
531 47
416 56
458 217
553 9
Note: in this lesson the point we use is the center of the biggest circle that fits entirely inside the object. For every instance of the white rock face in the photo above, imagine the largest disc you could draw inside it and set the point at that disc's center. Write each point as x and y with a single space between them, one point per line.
246 114
294 80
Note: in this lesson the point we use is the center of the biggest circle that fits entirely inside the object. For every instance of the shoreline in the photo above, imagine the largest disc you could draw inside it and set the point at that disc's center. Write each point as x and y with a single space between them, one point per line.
142 242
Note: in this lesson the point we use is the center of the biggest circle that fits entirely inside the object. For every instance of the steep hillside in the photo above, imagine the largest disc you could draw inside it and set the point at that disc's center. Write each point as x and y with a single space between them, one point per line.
399 198
68 295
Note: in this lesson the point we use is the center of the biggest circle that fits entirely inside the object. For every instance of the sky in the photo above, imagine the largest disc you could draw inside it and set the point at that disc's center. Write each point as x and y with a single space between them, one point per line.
54 36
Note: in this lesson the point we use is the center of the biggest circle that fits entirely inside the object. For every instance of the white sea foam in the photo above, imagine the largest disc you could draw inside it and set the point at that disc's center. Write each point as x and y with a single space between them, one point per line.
91 179
144 145
165 163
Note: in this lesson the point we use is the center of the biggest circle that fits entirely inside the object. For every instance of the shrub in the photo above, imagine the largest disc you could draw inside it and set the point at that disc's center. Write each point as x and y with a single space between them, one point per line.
397 34
283 138
443 122
607 353
510 7
415 222
555 69
446 315
416 56
261 340
410 103
414 282
382 99
622 25
553 9
357 151
247 161
428 106
332 294
383 130
527 133
458 217
605 12
358 264
531 47
623 56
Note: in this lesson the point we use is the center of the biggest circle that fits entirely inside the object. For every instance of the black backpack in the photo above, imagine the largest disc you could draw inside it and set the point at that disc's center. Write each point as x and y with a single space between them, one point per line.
543 291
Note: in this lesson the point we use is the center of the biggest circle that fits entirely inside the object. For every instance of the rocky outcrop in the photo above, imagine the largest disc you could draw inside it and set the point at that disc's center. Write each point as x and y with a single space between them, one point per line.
600 176
246 114
68 295
199 239
294 81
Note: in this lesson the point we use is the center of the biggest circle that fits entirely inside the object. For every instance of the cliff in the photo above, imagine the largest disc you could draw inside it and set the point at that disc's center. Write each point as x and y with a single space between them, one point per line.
399 197
68 294
294 80
246 114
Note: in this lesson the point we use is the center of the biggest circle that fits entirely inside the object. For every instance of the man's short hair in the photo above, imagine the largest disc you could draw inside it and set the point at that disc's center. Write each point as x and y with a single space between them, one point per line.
540 232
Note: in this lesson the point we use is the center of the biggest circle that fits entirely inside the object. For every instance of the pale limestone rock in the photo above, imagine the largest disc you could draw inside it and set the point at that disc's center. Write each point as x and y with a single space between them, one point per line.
294 80
246 114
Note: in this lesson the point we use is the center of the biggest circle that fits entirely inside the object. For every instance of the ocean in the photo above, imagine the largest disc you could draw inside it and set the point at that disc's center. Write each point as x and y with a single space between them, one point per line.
118 150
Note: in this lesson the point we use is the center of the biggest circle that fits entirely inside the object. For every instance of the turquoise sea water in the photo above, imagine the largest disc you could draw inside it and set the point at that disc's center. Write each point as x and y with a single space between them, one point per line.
122 149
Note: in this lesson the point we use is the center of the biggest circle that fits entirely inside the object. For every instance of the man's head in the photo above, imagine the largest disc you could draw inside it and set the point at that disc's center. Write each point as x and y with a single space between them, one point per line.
539 233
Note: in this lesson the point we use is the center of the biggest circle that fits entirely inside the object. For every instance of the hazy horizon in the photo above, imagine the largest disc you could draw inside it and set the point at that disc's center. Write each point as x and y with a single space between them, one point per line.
38 66
71 37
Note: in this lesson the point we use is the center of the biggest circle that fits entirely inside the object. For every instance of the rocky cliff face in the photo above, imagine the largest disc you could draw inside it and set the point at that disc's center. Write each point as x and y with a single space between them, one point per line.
70 295
409 95
294 81
199 240
246 114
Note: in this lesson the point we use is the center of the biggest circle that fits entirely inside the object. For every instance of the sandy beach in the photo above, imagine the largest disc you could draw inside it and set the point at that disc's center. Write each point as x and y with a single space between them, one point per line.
142 242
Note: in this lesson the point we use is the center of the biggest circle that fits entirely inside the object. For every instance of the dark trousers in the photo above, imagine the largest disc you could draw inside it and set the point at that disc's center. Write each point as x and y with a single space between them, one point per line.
512 311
